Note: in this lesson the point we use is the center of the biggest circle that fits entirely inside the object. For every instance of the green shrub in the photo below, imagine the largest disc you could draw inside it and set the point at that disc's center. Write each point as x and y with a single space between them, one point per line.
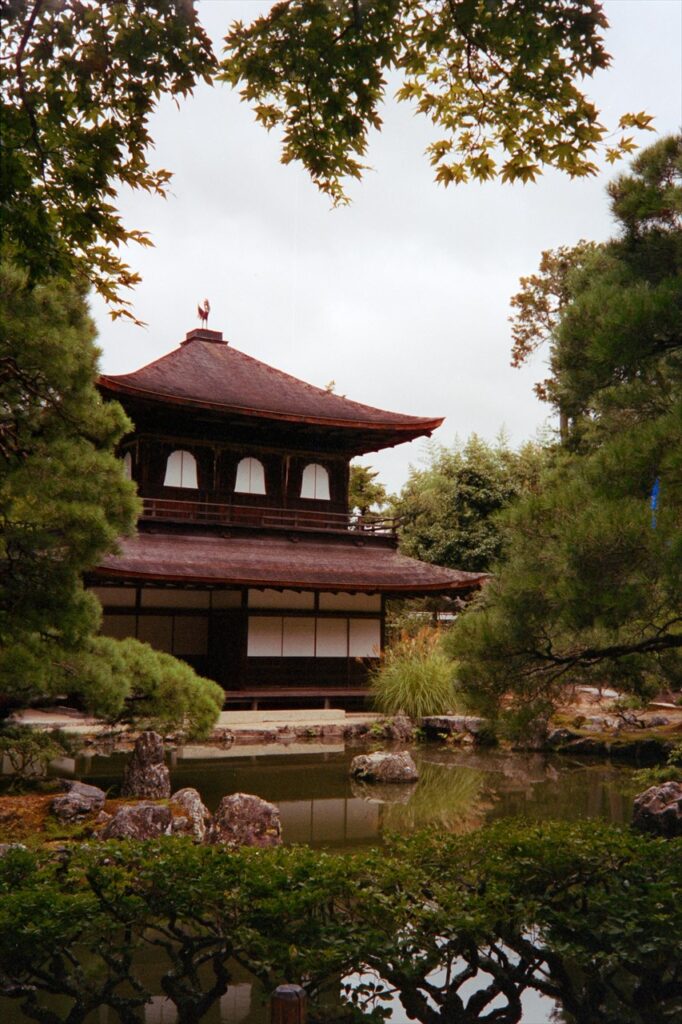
587 914
415 678
28 752
671 771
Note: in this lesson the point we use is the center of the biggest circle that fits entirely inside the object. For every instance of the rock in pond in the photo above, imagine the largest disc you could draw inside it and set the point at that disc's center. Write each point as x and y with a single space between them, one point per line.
146 774
139 821
245 820
659 810
79 801
384 767
197 815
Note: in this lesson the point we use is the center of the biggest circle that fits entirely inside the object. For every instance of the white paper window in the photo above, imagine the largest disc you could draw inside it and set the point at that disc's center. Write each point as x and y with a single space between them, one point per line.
265 637
365 638
190 635
315 482
128 466
156 630
181 470
250 477
332 638
298 639
350 602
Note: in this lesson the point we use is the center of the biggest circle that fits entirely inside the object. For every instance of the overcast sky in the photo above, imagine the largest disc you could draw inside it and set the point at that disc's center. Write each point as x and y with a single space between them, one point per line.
402 298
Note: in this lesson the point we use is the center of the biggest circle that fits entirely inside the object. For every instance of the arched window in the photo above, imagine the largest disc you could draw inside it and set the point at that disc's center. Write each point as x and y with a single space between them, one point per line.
181 470
128 466
250 477
315 482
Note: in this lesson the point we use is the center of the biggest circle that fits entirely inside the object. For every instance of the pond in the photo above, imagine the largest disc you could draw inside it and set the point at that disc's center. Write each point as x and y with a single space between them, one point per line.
459 789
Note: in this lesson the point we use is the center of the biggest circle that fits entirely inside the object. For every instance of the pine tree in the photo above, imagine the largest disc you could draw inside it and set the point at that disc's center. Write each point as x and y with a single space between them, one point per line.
590 585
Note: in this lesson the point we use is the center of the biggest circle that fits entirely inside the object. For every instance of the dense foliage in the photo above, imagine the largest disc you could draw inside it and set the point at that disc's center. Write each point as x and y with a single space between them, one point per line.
448 509
365 491
455 928
590 588
63 504
81 79
498 81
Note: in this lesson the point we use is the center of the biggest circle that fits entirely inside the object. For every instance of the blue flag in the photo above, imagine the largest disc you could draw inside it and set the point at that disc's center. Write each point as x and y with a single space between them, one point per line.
655 491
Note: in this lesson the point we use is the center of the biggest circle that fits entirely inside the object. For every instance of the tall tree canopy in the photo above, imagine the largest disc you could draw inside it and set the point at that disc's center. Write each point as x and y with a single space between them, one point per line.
448 509
365 490
590 587
63 504
497 78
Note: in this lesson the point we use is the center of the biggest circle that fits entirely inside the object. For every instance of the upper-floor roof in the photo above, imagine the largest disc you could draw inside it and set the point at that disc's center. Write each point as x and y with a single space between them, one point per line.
204 372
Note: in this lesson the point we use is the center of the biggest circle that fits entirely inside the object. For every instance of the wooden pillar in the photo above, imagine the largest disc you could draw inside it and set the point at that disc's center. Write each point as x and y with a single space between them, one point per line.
288 1005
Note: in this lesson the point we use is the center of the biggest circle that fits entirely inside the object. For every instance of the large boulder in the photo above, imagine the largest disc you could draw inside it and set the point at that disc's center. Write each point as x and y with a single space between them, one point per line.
659 810
79 801
384 767
399 728
146 774
197 816
139 821
245 820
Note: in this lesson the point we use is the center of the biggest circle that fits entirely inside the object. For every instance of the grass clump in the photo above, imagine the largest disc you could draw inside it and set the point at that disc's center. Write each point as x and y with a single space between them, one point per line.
415 678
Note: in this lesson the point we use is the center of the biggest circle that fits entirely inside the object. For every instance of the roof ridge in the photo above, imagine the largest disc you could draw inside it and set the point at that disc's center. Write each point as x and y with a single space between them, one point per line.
224 377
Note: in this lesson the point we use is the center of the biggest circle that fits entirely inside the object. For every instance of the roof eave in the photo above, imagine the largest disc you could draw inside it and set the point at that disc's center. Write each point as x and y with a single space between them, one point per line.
475 581
416 427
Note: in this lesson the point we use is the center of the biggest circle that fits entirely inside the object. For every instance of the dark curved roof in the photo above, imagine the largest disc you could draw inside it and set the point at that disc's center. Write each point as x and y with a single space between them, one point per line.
205 372
320 564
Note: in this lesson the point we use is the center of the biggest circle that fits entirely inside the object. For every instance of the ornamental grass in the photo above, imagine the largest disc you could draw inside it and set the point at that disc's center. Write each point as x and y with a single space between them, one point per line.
415 678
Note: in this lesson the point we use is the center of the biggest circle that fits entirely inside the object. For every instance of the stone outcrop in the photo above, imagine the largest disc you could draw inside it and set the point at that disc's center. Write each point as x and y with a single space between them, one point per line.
146 774
245 820
196 817
659 810
6 848
454 725
560 737
139 821
78 801
384 767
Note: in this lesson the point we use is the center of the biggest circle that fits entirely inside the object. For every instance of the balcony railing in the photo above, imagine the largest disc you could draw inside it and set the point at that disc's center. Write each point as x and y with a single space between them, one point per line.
214 513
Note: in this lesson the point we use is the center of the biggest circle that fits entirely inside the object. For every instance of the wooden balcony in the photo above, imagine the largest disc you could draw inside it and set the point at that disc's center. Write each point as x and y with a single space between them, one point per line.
170 510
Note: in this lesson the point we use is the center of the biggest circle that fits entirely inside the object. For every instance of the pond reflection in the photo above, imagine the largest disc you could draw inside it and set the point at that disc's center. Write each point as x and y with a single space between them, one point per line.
457 791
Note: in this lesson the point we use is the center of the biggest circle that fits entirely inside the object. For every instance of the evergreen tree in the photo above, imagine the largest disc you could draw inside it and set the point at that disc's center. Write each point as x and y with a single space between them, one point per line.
364 490
448 510
590 587
63 504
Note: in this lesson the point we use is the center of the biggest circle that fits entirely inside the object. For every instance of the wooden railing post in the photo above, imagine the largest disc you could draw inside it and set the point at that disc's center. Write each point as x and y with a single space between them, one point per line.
288 1005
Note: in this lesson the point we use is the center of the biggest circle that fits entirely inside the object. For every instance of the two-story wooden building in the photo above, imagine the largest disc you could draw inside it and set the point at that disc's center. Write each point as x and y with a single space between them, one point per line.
248 562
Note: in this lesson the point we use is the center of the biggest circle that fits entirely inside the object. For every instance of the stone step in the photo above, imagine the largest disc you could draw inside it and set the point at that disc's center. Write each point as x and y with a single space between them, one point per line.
299 716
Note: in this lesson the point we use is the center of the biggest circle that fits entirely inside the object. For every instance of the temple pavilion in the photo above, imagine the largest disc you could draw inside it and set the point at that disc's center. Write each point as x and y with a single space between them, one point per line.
248 562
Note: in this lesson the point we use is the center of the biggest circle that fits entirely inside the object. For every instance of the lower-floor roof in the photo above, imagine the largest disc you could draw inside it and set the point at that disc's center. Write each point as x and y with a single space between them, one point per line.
290 562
